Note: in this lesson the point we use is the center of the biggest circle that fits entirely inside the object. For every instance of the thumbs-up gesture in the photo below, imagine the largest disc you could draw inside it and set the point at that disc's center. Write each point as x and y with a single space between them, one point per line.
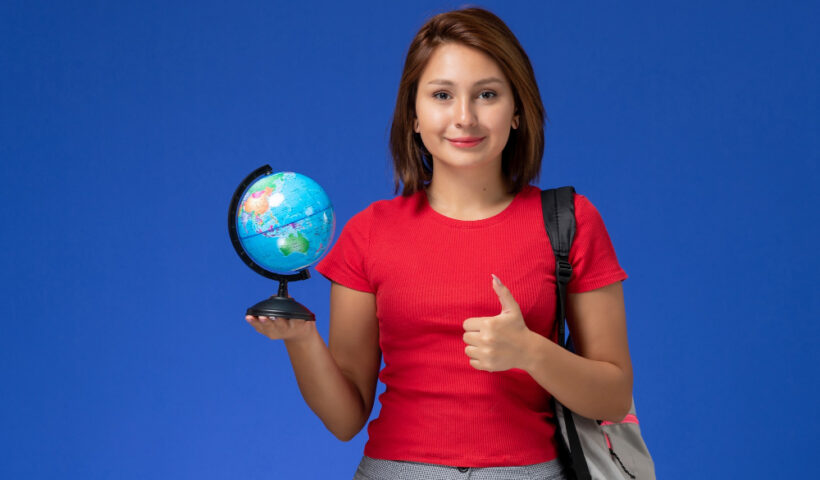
497 343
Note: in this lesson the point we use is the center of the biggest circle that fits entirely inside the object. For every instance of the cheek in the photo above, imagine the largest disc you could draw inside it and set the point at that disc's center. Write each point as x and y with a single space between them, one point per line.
501 126
503 123
502 116
432 120
501 134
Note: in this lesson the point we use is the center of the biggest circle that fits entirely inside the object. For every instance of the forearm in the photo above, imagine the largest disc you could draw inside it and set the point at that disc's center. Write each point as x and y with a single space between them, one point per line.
326 390
594 389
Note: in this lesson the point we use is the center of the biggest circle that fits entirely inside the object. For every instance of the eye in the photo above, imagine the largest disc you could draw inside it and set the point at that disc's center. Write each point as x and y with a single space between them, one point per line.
444 95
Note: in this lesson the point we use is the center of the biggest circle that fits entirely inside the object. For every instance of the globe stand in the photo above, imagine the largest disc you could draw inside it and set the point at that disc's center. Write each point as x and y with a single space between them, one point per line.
279 305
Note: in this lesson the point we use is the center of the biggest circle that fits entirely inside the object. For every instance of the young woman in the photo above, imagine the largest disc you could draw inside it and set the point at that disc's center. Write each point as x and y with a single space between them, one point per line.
453 282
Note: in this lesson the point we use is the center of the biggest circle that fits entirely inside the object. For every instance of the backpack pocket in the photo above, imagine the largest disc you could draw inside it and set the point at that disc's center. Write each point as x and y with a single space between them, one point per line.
627 448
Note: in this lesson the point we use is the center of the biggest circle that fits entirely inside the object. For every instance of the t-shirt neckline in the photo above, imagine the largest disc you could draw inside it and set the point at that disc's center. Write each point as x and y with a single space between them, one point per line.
484 222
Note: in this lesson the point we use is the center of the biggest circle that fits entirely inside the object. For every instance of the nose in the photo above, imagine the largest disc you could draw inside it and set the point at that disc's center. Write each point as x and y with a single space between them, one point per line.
465 115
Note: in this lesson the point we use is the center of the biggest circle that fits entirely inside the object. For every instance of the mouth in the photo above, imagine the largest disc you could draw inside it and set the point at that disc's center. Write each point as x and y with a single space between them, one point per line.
465 142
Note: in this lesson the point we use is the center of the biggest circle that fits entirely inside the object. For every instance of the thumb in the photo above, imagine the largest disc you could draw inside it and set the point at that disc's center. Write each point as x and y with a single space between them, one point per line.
508 303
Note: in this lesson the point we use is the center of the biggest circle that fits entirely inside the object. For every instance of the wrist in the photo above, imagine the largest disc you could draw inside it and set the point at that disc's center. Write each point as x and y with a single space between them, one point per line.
304 339
533 351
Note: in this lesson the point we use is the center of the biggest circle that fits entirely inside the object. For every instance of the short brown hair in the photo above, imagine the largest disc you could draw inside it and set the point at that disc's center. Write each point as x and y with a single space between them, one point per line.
480 29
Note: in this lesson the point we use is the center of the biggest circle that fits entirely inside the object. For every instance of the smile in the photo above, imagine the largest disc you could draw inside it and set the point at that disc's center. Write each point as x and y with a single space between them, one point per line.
466 142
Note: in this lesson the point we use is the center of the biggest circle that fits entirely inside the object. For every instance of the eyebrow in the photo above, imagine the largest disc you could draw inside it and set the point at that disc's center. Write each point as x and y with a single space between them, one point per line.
440 81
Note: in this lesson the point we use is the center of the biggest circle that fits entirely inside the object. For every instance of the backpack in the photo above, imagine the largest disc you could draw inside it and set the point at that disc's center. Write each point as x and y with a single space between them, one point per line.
588 449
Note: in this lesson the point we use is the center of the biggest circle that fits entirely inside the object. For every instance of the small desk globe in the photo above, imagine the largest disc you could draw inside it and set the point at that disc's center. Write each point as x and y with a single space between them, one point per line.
280 224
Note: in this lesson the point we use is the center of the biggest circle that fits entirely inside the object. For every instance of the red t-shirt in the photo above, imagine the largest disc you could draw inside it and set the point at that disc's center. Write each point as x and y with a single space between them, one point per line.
429 273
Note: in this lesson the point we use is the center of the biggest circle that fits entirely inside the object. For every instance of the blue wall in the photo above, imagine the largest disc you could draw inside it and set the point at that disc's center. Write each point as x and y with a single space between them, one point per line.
126 126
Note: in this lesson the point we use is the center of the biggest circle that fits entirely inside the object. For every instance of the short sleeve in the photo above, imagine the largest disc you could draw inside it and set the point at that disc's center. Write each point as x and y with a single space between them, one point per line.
594 264
345 263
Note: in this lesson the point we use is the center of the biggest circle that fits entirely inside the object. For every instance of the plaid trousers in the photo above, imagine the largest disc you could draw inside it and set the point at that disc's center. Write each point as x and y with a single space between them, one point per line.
377 469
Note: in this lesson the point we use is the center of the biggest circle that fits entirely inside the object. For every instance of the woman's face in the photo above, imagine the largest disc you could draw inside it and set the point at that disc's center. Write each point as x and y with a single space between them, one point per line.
464 95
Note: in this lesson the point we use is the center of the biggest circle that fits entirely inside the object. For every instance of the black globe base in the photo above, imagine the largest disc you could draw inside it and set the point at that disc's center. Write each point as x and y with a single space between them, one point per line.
284 307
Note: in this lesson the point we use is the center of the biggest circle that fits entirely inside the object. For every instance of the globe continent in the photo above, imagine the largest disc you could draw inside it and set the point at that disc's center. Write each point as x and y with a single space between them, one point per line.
285 222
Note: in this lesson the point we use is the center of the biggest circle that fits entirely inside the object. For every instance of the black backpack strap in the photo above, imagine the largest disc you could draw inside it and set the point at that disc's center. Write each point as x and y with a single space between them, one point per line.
558 207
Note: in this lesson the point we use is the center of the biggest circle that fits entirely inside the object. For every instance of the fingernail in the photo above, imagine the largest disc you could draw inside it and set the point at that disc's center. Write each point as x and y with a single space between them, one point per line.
495 279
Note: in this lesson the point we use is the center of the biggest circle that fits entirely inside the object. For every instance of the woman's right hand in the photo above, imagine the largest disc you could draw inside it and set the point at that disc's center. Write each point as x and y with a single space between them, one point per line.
278 328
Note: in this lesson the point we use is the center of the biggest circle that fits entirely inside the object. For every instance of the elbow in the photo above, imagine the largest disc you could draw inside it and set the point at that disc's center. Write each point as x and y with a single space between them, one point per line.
344 436
619 410
346 433
620 405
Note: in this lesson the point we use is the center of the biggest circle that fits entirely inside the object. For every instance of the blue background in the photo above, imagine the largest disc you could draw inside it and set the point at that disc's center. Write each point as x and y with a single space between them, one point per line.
691 125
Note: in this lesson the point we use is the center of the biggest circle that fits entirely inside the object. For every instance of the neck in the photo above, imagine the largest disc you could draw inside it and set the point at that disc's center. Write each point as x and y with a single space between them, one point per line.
467 195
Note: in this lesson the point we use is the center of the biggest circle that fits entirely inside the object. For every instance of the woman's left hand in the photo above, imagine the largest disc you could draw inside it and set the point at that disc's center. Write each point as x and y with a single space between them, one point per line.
497 343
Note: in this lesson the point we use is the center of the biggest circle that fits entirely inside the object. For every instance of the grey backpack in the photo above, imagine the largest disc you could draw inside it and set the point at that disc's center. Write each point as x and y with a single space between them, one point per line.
589 449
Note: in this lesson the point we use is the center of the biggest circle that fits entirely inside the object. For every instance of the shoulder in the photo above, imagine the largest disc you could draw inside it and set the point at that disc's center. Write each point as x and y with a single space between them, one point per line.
382 211
583 206
396 208
588 220
584 209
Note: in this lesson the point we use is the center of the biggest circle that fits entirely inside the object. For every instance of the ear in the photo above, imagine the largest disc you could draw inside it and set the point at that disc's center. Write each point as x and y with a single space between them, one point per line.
515 122
416 125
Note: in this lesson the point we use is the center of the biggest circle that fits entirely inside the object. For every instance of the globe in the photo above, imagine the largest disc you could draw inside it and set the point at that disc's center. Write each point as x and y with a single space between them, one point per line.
285 222
280 224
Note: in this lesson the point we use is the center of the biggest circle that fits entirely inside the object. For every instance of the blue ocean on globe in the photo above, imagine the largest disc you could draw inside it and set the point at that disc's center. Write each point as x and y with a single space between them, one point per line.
285 222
